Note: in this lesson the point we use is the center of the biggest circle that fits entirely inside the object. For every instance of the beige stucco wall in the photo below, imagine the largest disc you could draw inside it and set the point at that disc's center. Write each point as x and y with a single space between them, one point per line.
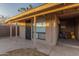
51 34
48 29
22 32
52 30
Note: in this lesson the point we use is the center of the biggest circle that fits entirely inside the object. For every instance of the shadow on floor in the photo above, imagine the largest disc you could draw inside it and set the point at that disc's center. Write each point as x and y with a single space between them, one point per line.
69 41
24 52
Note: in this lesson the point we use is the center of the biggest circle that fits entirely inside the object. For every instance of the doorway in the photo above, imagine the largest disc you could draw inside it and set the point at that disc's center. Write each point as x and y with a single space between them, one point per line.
28 30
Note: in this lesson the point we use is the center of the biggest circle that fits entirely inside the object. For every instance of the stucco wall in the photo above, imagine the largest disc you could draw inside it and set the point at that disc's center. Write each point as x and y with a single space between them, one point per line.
52 29
51 35
22 32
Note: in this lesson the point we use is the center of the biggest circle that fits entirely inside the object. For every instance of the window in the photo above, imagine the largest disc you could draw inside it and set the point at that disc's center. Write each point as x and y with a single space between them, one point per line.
40 28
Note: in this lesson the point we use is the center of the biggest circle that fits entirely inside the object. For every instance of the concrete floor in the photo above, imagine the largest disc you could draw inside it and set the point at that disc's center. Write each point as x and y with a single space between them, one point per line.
70 41
65 50
7 44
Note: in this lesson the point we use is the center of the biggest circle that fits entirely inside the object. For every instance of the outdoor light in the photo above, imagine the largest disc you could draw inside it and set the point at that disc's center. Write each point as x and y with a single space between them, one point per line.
55 23
22 24
47 24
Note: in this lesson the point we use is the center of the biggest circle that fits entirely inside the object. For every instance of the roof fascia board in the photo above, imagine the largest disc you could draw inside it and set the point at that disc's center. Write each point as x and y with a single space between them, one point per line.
50 11
42 7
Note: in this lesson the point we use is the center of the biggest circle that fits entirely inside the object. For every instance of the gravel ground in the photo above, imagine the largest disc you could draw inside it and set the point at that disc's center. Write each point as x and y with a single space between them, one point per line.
24 52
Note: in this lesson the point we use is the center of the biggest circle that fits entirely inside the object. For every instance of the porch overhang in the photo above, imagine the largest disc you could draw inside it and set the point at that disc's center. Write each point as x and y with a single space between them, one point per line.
41 10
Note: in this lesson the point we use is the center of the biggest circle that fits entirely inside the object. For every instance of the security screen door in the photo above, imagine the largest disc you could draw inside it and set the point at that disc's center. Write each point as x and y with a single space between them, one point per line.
28 30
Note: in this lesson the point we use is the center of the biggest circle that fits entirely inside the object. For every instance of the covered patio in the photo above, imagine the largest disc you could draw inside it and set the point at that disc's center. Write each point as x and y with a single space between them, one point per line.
46 17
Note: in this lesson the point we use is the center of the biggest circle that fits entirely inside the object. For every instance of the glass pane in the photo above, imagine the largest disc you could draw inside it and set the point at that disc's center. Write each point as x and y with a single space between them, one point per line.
40 28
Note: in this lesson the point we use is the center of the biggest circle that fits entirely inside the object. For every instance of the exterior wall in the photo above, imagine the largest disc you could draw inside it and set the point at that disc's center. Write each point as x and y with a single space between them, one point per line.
39 42
48 29
52 30
22 32
42 45
51 34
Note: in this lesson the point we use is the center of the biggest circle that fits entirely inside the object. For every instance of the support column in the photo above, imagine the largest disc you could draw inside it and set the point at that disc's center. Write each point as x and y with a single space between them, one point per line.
31 29
16 28
55 30
34 37
10 31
